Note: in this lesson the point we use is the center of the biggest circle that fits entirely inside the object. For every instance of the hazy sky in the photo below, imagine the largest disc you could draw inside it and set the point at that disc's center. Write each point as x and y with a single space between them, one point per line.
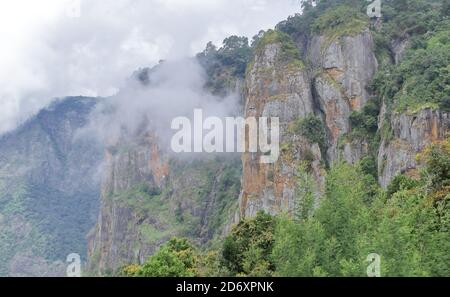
48 50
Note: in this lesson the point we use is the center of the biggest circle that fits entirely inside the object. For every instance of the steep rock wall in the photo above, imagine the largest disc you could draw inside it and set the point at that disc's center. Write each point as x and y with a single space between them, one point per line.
277 88
410 134
331 85
344 68
149 197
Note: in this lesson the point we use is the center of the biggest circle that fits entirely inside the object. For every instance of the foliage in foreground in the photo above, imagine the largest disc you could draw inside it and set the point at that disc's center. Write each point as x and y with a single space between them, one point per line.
408 226
177 258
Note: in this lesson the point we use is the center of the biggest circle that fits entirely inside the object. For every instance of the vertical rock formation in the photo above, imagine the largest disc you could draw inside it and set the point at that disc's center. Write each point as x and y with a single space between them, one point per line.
410 134
149 197
332 85
276 86
345 67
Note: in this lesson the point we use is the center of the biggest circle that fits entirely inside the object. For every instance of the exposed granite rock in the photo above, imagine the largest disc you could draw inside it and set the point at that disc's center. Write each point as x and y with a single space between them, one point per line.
411 133
398 47
344 68
276 88
355 150
149 197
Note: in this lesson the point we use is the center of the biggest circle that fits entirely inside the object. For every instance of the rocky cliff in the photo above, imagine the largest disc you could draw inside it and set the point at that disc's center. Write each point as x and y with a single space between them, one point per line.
410 134
330 82
320 84
148 197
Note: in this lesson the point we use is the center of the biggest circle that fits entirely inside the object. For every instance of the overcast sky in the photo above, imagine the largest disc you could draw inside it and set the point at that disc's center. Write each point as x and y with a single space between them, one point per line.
48 50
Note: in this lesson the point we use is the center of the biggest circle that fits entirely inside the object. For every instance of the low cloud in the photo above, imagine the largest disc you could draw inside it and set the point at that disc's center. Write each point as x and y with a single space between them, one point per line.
175 89
46 53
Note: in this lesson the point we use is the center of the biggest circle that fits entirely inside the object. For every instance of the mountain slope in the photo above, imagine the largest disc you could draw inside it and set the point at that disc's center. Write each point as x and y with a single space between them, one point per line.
48 191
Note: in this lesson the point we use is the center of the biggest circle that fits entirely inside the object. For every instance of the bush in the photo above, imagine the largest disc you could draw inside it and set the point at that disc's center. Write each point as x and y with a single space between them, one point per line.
339 21
177 258
364 123
422 78
248 247
368 166
399 183
437 164
289 50
312 128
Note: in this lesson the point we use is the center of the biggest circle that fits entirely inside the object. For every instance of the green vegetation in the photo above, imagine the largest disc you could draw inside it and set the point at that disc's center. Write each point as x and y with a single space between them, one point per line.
289 52
332 18
226 64
312 128
422 78
246 251
364 126
206 180
340 21
408 229
45 213
236 53
176 258
364 123
407 225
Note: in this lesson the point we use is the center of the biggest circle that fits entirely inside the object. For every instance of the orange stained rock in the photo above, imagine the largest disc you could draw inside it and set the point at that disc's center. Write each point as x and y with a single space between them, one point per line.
159 167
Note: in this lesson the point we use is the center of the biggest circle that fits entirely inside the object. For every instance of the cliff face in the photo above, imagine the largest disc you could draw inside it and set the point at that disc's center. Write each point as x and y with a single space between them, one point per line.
148 197
276 88
411 133
315 85
331 83
345 68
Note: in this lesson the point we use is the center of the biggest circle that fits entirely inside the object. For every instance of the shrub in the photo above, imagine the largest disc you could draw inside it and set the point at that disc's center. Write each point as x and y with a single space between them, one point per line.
312 128
289 50
340 21
248 247
399 183
177 258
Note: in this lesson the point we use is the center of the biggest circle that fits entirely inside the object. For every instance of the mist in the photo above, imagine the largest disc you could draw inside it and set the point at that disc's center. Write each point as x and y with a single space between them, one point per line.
48 53
175 89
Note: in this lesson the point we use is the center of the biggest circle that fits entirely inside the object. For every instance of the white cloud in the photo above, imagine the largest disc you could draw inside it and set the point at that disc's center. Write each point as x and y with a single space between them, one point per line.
46 54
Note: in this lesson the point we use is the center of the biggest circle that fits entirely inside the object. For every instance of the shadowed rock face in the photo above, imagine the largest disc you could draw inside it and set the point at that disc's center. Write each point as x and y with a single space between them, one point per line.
48 190
116 239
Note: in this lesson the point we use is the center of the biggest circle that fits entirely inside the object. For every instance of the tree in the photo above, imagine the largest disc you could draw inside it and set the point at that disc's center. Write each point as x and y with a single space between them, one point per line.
177 258
235 52
248 247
